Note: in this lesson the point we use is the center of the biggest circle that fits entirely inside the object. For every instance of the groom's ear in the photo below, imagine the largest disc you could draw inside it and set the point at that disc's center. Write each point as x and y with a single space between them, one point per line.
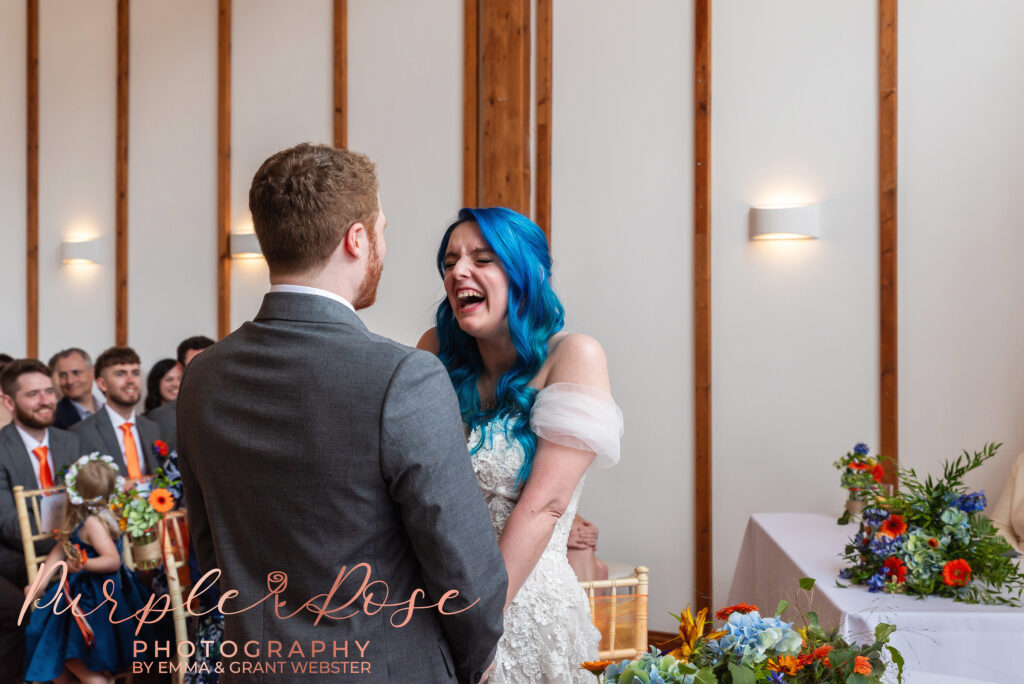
355 239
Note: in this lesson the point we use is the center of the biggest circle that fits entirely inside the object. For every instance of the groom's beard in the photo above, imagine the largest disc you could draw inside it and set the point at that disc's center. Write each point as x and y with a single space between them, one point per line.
368 288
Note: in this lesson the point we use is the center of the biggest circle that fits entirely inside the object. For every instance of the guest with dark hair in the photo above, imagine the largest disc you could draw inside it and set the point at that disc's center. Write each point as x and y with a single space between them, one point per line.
188 349
166 415
162 384
115 429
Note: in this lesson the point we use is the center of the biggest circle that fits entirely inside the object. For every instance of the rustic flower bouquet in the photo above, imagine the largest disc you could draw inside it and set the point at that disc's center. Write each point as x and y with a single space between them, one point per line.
749 648
139 511
931 538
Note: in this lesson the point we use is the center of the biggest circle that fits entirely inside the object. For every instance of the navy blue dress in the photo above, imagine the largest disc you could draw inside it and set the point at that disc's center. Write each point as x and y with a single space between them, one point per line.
54 638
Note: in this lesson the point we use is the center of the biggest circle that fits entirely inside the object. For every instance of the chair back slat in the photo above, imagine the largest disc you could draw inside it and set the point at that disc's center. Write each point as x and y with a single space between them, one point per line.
630 608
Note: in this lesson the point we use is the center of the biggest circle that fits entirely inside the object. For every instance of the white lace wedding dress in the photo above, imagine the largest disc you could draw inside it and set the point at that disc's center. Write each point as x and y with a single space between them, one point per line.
548 630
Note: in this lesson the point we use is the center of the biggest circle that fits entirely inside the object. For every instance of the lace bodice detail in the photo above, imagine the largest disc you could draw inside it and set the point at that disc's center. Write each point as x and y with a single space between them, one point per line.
548 630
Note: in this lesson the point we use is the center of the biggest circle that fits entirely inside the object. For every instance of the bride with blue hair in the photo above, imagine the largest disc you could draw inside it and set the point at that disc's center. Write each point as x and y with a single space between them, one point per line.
537 407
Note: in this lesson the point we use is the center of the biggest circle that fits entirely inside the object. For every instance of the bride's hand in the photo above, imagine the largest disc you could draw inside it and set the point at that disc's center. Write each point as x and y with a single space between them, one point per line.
487 673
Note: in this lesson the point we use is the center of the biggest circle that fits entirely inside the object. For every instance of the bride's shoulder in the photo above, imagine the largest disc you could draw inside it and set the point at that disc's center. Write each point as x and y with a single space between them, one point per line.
576 358
429 341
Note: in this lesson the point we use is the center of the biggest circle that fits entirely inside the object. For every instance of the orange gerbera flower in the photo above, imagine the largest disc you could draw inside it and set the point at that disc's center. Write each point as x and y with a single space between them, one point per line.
957 573
859 466
893 527
878 472
596 666
785 664
861 665
821 653
743 608
161 500
933 542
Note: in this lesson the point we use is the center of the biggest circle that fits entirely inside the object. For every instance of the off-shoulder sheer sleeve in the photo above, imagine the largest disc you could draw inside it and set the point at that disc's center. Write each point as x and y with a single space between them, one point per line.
581 417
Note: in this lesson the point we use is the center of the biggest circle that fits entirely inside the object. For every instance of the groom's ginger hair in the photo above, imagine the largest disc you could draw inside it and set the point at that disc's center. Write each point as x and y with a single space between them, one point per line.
303 201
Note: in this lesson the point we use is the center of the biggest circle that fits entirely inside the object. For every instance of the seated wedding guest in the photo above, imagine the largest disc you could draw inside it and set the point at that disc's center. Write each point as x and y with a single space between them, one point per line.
1008 513
5 415
115 430
582 551
162 384
74 372
166 415
33 454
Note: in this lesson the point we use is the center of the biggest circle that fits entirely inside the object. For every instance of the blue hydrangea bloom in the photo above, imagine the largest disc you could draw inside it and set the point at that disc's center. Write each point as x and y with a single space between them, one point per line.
874 516
846 573
750 636
860 448
974 502
876 582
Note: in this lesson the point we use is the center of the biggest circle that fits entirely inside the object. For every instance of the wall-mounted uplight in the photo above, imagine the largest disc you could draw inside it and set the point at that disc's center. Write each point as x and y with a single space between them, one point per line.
785 223
245 246
81 251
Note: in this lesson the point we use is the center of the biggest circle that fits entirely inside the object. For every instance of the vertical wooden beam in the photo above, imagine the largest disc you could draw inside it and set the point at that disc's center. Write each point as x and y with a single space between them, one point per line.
887 194
340 73
504 78
32 183
121 173
471 105
224 168
702 303
544 92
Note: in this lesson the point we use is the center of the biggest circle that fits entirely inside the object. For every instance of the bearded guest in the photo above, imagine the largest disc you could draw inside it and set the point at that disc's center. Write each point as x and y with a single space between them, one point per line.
33 454
73 371
115 430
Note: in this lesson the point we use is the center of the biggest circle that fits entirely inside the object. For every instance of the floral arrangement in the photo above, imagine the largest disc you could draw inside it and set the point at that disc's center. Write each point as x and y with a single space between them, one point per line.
141 507
861 474
749 648
932 539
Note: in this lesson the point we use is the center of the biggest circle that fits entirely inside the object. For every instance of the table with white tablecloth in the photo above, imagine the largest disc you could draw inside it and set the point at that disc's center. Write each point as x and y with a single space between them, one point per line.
935 635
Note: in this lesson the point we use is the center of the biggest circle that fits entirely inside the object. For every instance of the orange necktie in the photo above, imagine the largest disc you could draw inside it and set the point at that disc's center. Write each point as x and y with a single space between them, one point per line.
45 477
131 455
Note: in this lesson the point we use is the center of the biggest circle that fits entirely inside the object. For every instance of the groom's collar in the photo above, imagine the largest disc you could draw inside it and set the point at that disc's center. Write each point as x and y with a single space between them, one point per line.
306 307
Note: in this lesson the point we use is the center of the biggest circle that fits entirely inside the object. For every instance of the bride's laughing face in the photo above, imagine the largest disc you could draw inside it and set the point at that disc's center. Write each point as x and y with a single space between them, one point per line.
475 283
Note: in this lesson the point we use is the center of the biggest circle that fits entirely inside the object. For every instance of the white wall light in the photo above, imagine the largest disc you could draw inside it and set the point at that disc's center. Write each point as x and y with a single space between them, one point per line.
785 223
81 251
245 246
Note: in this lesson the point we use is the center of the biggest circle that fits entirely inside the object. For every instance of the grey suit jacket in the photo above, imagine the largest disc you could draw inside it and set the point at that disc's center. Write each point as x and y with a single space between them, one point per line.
96 433
16 469
309 445
166 417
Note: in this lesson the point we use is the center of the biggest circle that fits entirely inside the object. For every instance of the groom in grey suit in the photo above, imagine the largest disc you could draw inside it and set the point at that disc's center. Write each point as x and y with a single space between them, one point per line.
312 447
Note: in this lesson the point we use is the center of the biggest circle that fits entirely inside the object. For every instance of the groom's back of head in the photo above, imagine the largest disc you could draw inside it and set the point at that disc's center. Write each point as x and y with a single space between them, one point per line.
304 199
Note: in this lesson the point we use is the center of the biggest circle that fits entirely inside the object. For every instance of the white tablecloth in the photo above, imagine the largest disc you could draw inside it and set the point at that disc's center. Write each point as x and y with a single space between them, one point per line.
935 635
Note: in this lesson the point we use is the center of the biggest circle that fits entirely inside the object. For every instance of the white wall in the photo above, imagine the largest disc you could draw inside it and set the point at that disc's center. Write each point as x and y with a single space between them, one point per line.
12 178
961 233
794 324
281 95
77 107
172 166
622 243
405 112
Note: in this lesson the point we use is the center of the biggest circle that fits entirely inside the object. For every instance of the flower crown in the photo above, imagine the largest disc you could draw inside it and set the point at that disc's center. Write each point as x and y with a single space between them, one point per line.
72 475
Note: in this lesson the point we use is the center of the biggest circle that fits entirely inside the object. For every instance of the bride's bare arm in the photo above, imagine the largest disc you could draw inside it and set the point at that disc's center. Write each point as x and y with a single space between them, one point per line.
555 472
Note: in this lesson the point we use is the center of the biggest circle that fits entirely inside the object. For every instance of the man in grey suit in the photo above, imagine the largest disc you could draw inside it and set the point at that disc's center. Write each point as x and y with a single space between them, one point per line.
166 416
309 446
115 429
33 454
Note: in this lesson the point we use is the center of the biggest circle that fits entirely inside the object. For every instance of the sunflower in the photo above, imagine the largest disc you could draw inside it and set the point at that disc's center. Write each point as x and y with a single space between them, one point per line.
161 500
784 664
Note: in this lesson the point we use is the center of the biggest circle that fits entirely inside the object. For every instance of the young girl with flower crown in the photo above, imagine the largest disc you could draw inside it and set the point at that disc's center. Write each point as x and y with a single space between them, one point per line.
61 645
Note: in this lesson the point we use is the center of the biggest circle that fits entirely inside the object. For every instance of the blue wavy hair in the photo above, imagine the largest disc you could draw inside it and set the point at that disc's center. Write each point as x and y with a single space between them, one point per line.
534 315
